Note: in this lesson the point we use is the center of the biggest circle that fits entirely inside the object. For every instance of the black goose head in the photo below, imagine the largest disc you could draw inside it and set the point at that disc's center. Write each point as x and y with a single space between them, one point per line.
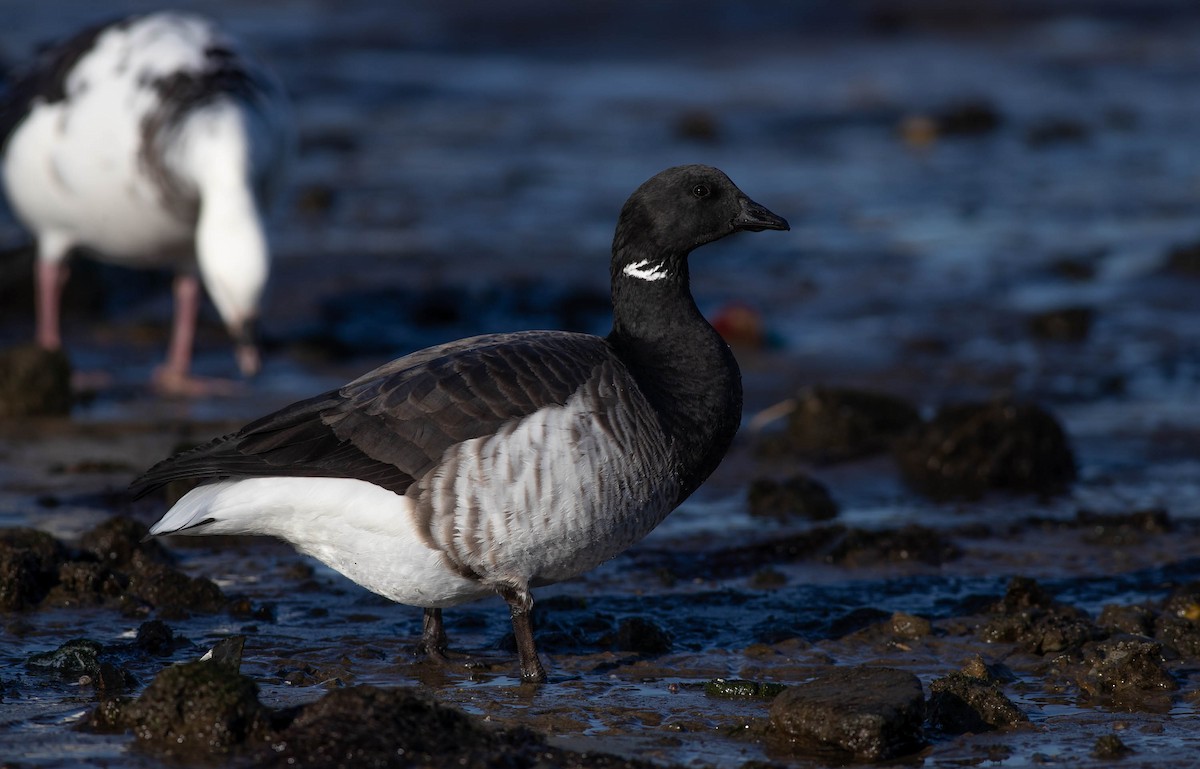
677 211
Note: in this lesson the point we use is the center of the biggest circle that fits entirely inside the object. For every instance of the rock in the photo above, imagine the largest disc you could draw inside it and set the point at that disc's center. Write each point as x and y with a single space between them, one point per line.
372 727
965 118
80 656
832 425
697 125
155 637
1066 324
1110 746
29 566
911 543
641 636
959 703
1184 260
34 382
871 713
1028 616
1056 131
1135 620
909 626
970 449
194 711
1178 626
796 497
1126 673
174 594
736 688
121 542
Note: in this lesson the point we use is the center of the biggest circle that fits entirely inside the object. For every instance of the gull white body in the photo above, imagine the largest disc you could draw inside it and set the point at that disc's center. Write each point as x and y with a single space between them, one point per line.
149 152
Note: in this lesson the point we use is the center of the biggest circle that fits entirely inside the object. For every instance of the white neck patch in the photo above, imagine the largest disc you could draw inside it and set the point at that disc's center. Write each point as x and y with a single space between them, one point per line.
641 271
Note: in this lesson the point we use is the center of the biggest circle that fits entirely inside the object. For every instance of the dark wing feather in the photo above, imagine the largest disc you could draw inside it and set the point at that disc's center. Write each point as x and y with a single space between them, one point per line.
45 77
392 425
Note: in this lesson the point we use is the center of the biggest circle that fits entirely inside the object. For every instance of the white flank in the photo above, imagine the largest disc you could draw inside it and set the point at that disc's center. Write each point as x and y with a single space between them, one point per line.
642 272
357 528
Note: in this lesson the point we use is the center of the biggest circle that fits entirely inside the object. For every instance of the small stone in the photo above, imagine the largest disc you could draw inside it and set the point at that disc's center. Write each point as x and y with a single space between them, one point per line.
1066 324
640 635
34 382
76 657
973 448
1135 620
1110 746
1184 260
910 626
835 424
1128 673
959 703
734 688
796 497
156 637
871 713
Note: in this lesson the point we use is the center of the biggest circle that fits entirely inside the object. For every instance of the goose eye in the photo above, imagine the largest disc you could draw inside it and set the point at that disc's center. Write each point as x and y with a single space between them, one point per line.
700 190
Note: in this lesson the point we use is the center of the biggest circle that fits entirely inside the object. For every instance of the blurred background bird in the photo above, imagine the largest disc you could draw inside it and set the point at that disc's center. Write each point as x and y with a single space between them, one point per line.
153 141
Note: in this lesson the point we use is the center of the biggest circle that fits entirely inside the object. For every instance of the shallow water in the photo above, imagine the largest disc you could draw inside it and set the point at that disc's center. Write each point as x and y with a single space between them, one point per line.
485 157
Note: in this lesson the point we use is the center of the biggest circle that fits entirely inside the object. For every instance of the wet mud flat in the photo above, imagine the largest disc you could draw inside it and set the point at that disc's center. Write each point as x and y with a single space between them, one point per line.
1031 634
993 215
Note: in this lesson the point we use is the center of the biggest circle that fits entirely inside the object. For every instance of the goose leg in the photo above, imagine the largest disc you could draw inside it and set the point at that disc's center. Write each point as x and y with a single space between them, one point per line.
520 604
433 636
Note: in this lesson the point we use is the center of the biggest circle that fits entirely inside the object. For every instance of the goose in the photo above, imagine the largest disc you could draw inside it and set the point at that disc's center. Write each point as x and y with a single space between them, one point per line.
152 141
500 463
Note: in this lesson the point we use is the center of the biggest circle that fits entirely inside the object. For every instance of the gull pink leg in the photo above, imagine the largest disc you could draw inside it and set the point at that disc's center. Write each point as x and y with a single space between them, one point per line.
50 277
173 377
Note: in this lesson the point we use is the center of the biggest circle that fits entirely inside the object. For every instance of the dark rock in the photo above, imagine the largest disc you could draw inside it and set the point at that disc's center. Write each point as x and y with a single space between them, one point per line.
156 637
227 651
1135 620
912 543
193 711
1126 673
736 688
959 703
117 541
857 620
1116 530
111 680
971 117
1184 260
175 594
34 382
697 125
640 635
874 714
84 583
831 425
1028 616
798 496
1053 131
1178 626
1066 324
315 200
909 626
80 656
1110 746
970 449
29 566
371 727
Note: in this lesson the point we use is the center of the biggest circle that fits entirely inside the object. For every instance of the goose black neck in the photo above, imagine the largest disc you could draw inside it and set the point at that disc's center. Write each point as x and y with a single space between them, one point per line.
682 365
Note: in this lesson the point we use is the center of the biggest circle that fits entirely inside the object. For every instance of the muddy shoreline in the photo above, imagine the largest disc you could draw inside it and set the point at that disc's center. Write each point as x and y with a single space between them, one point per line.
995 210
